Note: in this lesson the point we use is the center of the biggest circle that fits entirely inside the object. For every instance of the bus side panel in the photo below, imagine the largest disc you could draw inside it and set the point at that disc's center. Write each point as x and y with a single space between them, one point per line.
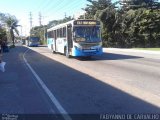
50 42
60 44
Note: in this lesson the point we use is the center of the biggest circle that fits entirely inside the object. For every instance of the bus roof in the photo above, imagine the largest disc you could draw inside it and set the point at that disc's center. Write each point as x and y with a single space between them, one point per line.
60 25
78 23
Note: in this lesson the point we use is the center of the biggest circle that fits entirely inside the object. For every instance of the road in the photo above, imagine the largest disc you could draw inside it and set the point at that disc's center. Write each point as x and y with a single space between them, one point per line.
110 84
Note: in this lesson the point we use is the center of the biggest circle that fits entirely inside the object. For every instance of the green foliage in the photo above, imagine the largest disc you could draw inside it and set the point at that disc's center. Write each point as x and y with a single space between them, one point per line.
40 31
3 36
56 22
11 23
95 6
135 24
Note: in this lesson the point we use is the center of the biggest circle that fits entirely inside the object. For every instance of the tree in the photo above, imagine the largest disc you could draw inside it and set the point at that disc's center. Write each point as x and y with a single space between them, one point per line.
111 25
141 22
135 4
95 6
3 36
12 24
53 23
2 29
56 22
39 31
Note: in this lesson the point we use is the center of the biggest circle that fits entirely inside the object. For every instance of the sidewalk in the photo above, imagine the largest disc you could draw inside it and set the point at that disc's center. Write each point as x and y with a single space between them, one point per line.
133 52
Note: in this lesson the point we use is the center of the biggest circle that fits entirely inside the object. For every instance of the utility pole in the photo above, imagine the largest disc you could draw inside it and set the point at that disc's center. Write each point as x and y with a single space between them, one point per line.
30 14
65 15
30 18
44 32
40 19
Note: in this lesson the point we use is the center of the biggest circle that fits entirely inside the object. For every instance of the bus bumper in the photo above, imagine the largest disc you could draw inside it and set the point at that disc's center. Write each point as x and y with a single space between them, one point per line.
87 52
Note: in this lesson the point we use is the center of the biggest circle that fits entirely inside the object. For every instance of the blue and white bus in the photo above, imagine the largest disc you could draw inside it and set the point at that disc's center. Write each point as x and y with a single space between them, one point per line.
76 38
33 41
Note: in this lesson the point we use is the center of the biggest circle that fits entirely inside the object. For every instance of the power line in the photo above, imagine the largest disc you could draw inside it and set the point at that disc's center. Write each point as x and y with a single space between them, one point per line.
58 7
44 5
53 5
57 13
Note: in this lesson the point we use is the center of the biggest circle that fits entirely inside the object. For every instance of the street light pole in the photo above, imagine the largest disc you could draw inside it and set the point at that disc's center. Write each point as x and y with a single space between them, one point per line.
21 33
44 33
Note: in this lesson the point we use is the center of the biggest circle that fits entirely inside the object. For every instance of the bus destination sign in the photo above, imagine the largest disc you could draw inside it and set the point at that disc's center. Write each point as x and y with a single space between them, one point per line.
86 22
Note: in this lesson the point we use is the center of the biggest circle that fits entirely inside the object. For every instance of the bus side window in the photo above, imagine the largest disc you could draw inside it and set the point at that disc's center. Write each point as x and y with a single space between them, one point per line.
64 32
61 32
52 34
58 33
55 34
49 34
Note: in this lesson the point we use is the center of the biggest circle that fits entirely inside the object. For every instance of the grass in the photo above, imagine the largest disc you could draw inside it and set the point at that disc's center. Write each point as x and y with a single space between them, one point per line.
151 49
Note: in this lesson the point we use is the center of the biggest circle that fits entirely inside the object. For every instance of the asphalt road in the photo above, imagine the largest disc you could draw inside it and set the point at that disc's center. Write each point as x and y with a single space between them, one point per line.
110 84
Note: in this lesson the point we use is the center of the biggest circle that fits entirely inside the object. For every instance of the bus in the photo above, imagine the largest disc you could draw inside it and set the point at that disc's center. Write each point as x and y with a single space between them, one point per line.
33 41
76 38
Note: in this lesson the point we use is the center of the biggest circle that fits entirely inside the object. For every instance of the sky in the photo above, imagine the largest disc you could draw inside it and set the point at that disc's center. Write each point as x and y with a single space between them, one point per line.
49 9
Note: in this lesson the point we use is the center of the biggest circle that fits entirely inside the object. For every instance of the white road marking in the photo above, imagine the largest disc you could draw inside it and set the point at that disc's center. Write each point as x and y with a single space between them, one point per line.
48 92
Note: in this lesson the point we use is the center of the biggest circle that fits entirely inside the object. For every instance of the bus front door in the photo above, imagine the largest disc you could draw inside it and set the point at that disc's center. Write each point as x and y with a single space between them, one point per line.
69 40
55 38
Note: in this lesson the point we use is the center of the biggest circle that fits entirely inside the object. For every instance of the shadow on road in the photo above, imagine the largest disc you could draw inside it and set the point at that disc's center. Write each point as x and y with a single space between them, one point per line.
108 56
113 56
80 93
75 88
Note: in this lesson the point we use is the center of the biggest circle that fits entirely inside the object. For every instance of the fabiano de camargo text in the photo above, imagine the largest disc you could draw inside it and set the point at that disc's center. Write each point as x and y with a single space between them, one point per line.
130 117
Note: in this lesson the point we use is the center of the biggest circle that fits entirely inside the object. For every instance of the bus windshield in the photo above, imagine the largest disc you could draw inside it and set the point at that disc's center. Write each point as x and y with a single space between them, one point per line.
88 33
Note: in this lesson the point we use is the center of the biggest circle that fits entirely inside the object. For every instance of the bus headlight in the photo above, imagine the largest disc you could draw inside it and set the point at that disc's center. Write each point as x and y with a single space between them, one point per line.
80 39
